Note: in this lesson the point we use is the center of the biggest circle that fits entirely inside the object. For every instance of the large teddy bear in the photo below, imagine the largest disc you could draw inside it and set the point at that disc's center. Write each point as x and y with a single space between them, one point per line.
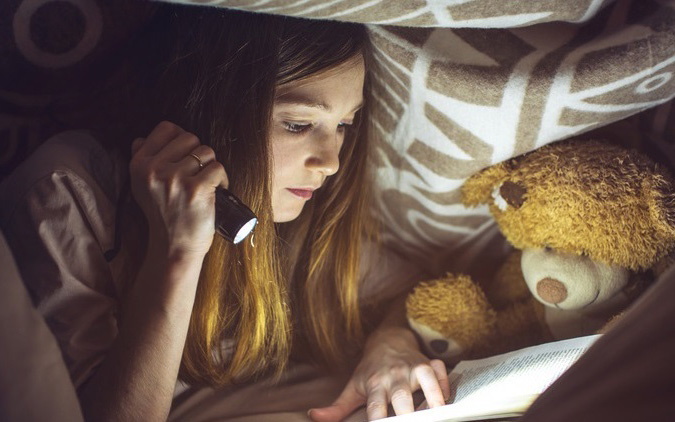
590 222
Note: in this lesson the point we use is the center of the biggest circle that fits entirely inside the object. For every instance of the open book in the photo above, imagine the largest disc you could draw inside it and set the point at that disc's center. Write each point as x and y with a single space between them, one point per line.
502 386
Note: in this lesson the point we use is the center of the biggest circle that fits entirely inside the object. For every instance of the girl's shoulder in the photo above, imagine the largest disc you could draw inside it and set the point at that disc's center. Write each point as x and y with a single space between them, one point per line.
57 212
87 171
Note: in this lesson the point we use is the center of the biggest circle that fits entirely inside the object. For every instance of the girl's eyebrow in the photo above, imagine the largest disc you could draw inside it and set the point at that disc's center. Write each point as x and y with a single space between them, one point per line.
357 108
299 100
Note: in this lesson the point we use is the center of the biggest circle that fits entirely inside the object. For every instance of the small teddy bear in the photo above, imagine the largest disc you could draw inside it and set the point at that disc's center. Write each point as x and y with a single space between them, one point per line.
588 219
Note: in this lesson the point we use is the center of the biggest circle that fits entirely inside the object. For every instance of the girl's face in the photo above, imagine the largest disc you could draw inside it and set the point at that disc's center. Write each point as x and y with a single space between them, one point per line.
309 117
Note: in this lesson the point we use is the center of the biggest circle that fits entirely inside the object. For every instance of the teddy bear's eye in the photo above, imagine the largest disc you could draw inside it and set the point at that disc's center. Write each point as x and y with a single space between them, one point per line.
513 193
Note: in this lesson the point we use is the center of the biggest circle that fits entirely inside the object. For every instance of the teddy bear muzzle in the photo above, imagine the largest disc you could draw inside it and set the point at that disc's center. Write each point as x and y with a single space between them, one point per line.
551 290
568 281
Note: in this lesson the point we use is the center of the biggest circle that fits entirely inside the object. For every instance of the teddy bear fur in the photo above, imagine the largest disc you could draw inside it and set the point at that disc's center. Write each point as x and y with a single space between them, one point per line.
457 318
584 198
583 215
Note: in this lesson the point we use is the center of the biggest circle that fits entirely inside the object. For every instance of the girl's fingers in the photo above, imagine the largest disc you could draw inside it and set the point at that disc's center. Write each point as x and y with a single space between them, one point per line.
442 376
376 403
161 135
136 145
190 165
428 381
348 401
401 397
212 175
178 148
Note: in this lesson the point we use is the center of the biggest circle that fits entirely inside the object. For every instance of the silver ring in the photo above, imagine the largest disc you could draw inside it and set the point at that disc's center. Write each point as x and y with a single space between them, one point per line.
199 160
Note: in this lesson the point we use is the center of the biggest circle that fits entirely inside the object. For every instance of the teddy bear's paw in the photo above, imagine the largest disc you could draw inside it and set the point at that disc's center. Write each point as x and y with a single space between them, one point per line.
453 309
435 345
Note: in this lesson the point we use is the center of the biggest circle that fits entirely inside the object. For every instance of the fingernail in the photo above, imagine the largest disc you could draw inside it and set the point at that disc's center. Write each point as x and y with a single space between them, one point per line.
309 412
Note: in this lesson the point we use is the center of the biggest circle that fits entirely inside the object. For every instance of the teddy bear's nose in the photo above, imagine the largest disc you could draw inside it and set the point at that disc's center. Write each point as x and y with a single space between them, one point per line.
551 290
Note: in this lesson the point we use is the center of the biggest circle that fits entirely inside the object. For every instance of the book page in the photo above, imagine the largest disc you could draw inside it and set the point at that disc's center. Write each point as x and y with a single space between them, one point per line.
523 372
503 385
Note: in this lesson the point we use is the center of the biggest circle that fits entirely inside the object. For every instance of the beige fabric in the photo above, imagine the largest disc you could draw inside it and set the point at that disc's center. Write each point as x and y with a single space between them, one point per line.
421 13
34 382
303 387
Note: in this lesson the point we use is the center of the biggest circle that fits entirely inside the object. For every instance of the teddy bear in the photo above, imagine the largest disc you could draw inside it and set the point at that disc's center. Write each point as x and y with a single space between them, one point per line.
591 224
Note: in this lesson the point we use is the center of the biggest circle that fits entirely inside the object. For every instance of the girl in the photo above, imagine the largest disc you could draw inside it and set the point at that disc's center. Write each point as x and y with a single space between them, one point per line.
278 107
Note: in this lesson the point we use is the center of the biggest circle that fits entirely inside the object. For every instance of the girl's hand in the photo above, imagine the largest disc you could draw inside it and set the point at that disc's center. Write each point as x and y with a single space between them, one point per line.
391 369
176 194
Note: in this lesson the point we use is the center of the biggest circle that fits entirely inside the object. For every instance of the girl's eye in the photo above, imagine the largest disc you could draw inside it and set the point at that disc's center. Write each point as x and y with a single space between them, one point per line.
342 126
296 127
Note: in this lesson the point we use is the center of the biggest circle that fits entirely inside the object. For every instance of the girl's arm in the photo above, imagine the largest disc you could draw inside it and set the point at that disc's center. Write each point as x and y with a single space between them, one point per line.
137 377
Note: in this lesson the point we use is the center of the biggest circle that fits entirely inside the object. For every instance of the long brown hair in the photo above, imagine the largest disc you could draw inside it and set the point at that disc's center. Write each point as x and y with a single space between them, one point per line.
214 73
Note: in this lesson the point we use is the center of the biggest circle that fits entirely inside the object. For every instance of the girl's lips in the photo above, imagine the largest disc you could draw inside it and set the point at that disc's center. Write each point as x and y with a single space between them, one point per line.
305 194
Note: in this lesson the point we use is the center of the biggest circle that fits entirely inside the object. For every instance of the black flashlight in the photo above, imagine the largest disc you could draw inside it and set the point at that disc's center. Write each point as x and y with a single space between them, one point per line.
234 220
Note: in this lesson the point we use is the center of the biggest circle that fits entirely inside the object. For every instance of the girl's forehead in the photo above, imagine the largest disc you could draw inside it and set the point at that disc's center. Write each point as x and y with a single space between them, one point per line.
344 81
353 68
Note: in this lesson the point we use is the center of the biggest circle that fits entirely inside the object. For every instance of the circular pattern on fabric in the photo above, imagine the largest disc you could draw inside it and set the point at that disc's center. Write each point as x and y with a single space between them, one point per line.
653 83
56 33
57 27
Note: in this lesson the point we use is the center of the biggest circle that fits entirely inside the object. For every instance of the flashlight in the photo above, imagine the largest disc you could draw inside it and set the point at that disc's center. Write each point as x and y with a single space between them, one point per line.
234 220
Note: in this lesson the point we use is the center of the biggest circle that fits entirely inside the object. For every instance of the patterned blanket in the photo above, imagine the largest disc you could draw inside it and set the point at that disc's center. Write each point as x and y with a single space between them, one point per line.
460 85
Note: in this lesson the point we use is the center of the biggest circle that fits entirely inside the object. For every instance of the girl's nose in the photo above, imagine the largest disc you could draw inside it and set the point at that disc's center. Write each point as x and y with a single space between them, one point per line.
325 156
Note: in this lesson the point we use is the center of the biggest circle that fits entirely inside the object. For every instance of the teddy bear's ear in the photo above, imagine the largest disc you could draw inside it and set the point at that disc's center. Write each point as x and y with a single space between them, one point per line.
478 188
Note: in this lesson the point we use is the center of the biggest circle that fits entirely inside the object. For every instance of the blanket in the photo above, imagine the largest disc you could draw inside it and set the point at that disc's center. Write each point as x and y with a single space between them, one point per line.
459 85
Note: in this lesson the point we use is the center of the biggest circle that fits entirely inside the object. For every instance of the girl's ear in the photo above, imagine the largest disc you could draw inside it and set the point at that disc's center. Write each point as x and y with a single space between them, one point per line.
478 188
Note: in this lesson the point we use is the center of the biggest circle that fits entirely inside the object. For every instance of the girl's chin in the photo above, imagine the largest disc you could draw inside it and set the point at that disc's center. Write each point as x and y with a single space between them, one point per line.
287 214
